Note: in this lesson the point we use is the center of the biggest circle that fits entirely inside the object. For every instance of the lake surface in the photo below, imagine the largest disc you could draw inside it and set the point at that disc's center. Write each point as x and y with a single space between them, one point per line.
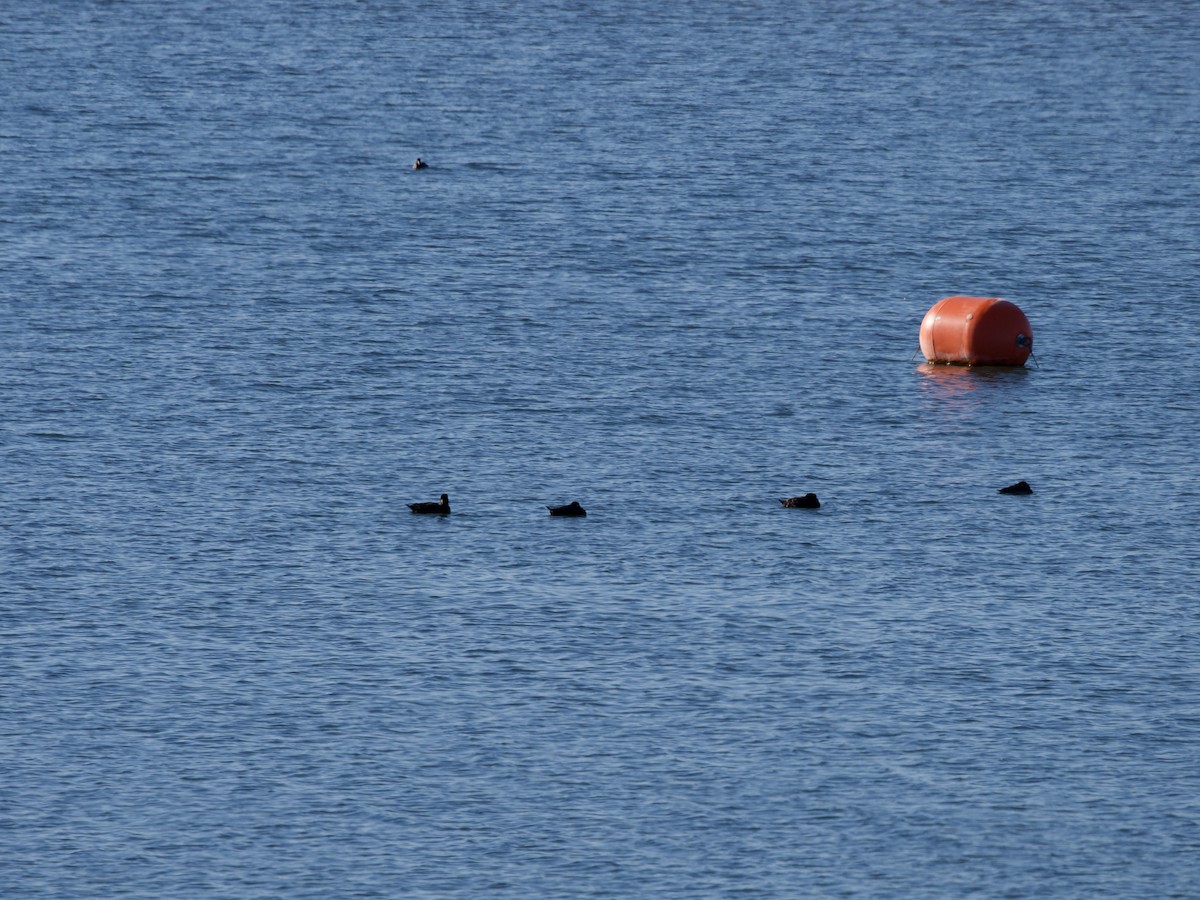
668 260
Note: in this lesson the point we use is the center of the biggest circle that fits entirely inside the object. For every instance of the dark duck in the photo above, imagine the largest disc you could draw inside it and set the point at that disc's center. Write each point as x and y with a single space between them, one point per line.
442 507
1021 487
808 501
571 509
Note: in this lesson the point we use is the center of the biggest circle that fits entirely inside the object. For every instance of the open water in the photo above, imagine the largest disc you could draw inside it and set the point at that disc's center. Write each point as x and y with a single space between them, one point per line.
669 259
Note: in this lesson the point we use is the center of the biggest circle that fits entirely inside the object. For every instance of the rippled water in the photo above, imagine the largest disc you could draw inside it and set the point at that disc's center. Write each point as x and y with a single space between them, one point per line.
669 261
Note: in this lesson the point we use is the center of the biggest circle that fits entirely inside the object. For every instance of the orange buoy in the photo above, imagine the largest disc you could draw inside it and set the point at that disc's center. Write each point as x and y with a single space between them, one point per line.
976 331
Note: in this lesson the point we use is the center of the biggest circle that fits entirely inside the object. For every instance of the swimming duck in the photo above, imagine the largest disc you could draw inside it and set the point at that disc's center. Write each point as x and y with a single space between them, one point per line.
571 509
808 501
420 164
442 507
1021 487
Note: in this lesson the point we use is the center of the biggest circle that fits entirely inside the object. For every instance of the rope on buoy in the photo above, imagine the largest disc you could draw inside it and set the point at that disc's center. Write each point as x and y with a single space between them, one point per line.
1034 358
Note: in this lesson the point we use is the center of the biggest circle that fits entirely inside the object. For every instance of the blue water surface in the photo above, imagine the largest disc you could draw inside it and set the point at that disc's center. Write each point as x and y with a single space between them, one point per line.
668 260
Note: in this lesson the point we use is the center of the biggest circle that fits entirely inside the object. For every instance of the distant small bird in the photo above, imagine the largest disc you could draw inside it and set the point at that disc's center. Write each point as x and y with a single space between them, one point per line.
420 164
442 507
1021 487
571 509
808 501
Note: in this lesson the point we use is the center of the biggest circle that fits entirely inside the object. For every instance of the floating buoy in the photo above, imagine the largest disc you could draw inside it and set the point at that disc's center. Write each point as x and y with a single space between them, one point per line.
976 331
